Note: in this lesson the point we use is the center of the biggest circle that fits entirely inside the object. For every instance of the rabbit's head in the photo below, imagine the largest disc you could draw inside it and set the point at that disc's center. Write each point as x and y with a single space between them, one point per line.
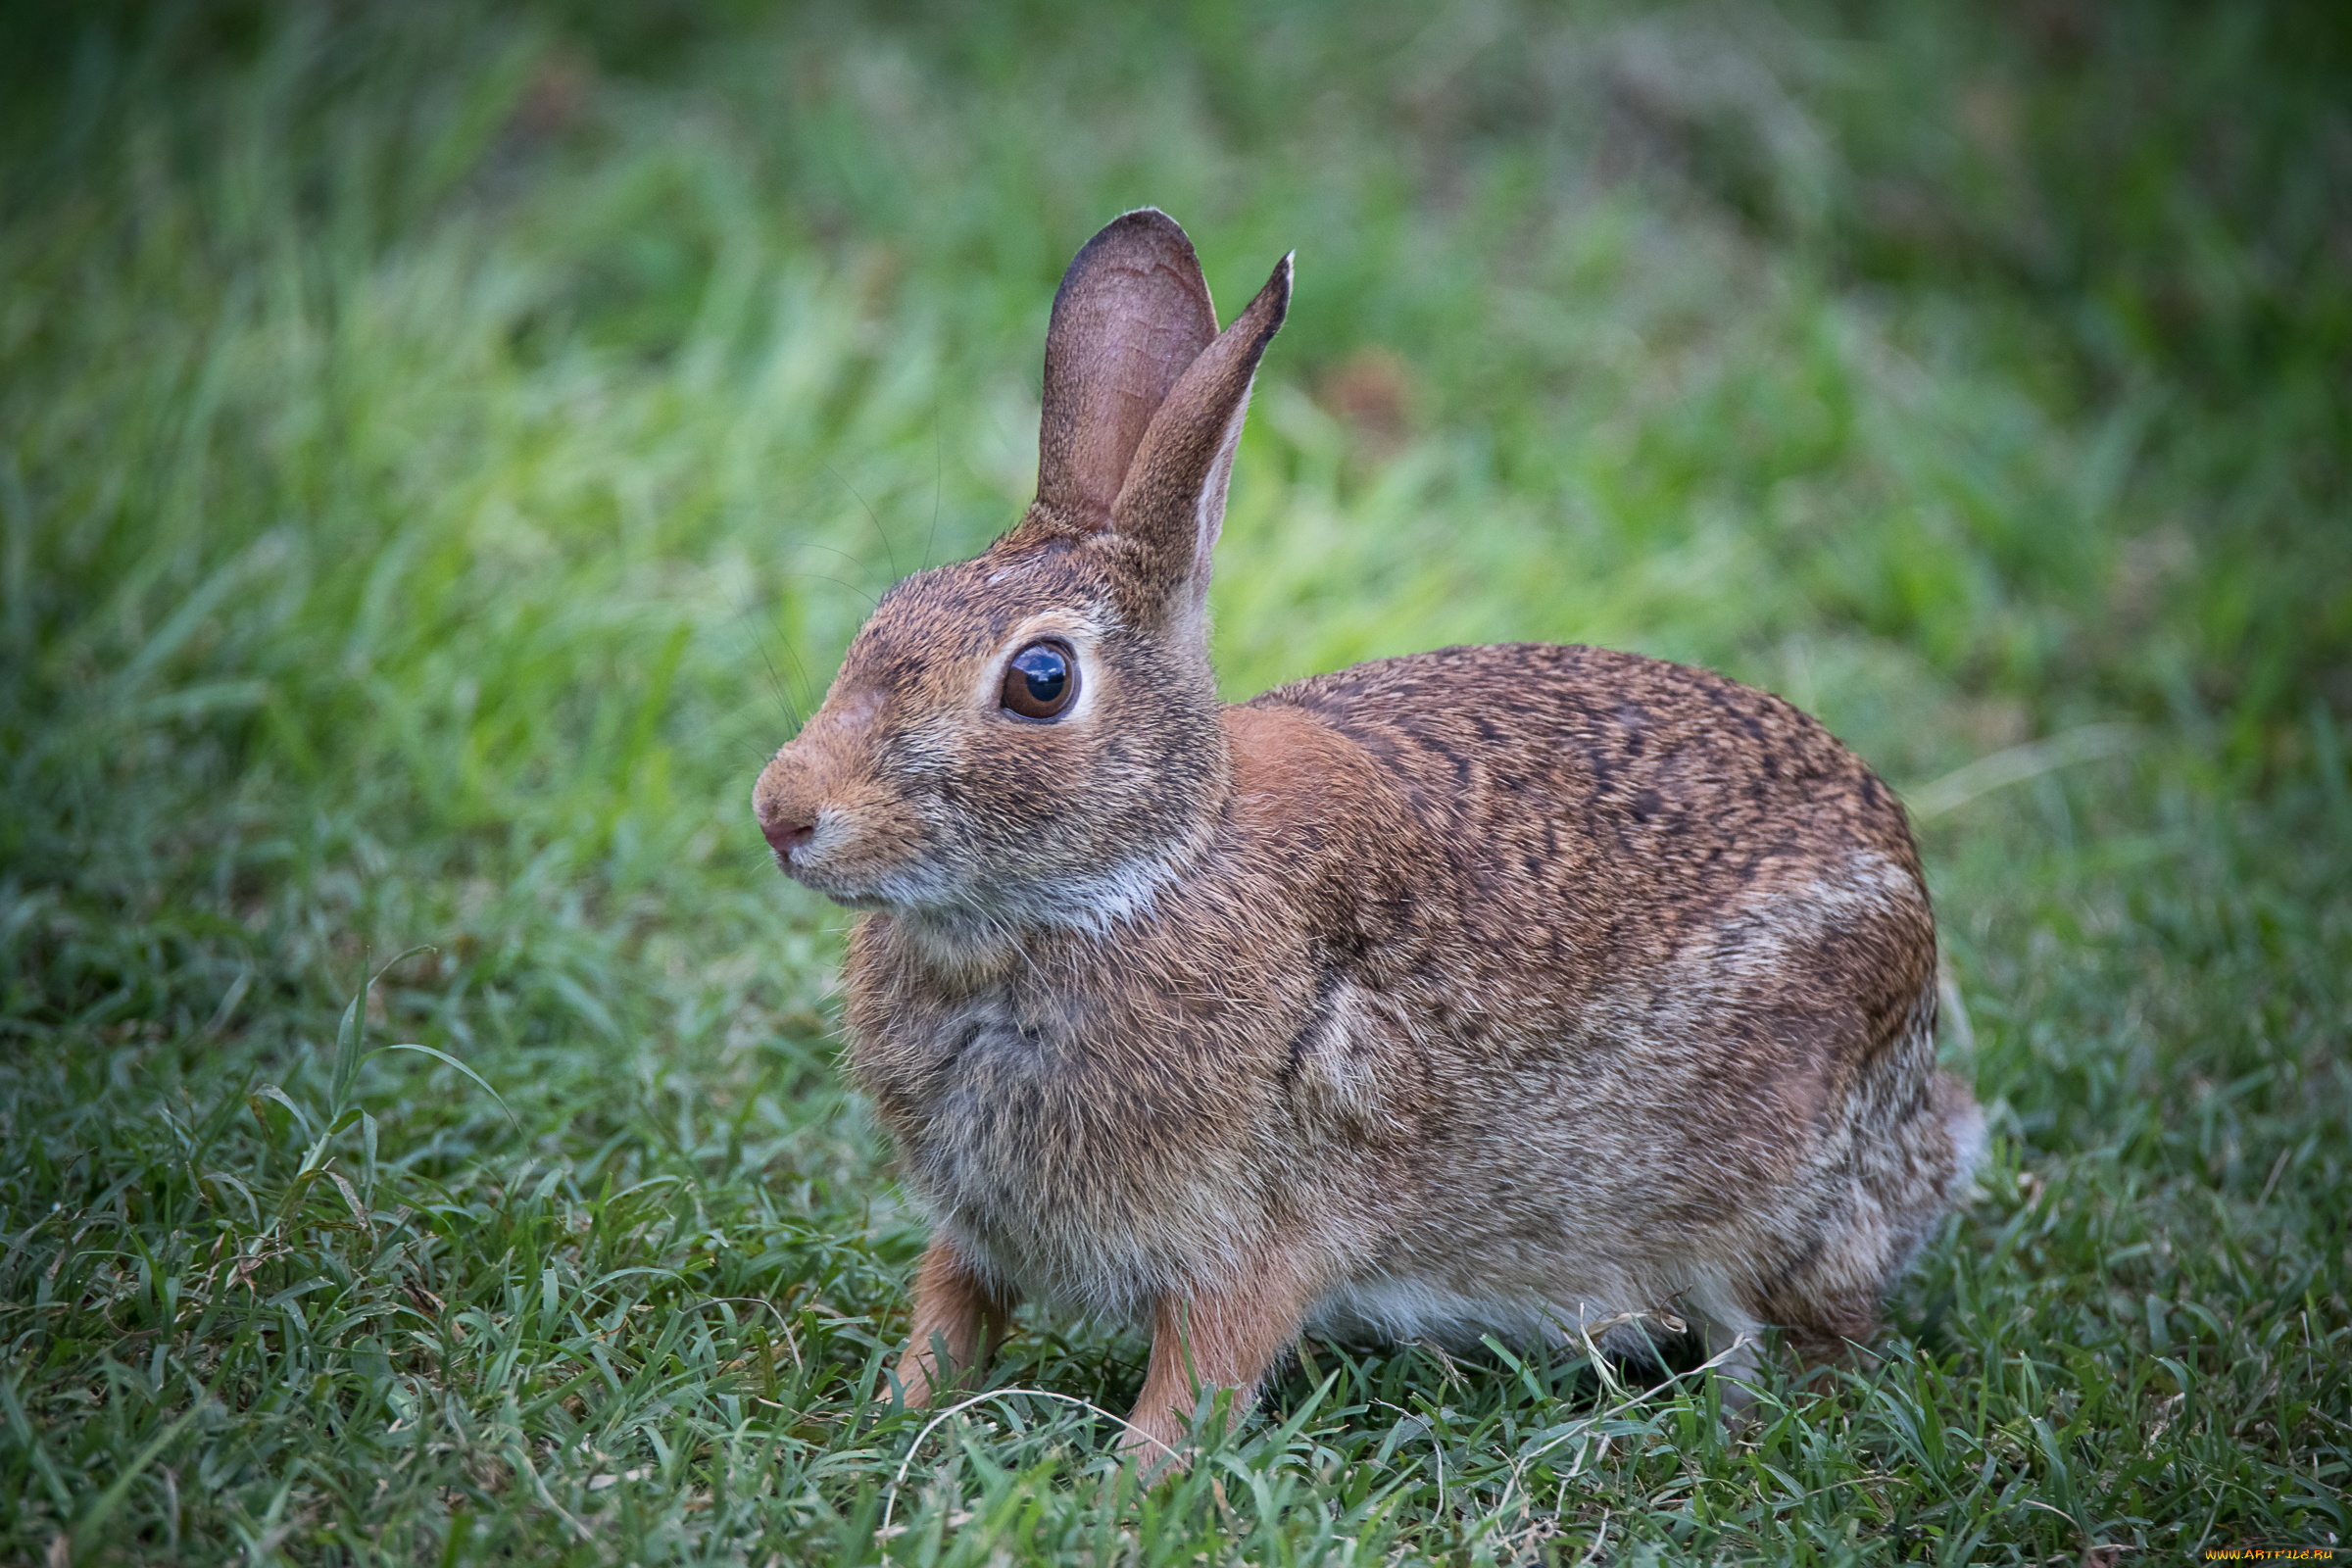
1032 737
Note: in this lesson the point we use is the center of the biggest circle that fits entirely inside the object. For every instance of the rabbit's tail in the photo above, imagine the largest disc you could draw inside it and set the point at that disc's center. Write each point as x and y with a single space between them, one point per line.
1964 1123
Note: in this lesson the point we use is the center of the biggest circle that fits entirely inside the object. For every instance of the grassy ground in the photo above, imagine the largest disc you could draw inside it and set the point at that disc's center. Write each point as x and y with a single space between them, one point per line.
440 452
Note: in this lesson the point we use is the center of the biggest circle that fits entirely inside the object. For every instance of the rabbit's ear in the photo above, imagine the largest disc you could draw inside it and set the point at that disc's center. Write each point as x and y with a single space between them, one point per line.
1133 311
1173 503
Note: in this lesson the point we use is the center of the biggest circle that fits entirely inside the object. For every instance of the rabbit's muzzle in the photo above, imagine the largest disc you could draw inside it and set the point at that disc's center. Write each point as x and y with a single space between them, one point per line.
804 800
786 807
792 792
839 828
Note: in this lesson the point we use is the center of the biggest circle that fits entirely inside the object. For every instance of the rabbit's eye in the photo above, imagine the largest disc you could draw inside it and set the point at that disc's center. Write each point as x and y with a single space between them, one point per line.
1040 681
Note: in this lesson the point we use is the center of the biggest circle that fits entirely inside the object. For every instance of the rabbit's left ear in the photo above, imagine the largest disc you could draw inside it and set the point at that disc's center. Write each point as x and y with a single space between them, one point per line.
1173 503
1132 312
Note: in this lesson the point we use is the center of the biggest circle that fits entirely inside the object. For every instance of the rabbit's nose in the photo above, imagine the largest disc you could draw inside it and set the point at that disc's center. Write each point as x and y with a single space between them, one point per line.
786 806
785 834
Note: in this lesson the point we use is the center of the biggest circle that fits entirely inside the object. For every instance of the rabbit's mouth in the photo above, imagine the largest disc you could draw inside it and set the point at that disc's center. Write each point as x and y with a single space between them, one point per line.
956 910
851 861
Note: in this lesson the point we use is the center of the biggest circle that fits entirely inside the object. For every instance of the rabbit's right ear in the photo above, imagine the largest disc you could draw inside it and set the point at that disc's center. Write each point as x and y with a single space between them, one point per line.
1131 313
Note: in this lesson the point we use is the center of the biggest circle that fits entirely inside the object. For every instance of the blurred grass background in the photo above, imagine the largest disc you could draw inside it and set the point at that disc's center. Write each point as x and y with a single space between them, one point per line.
442 449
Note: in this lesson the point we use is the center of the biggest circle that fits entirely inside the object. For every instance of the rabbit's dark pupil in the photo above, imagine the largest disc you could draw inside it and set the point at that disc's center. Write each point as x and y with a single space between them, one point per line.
1038 682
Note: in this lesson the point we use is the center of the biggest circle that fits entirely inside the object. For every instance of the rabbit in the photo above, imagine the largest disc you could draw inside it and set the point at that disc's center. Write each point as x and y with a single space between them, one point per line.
1518 990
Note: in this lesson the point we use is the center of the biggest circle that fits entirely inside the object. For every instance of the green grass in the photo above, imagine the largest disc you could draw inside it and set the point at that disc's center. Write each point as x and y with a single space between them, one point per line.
441 452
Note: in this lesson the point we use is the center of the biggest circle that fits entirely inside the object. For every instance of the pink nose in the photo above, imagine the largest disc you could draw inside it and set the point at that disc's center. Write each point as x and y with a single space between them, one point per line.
787 836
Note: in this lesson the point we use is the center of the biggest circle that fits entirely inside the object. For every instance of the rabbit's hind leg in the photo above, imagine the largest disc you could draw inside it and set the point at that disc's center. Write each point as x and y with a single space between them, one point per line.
1826 1335
1845 1257
1825 1302
1733 1343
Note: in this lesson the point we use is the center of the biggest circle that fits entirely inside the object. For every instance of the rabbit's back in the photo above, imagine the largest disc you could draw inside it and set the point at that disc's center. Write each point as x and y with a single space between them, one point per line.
1612 830
1569 774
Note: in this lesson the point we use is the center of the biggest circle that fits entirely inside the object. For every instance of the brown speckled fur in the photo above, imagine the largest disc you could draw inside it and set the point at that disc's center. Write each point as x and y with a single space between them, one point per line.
1512 989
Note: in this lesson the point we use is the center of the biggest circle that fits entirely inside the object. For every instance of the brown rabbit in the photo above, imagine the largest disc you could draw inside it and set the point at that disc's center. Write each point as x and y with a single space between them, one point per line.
1517 989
